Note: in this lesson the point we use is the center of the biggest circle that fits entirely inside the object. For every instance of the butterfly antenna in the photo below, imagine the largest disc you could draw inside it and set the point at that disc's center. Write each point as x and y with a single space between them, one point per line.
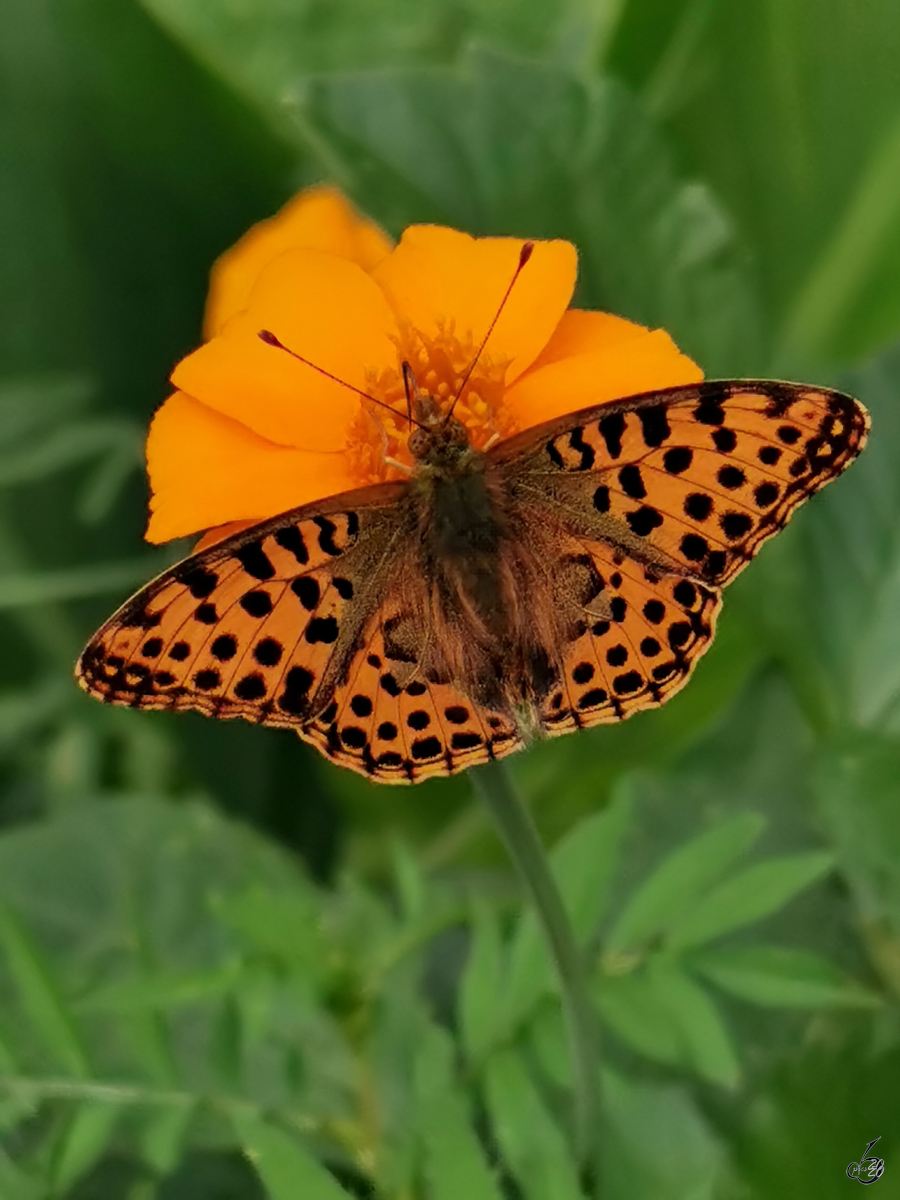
266 335
524 255
409 386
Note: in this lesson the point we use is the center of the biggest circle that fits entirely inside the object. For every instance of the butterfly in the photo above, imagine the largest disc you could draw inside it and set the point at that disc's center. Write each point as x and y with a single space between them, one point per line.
566 577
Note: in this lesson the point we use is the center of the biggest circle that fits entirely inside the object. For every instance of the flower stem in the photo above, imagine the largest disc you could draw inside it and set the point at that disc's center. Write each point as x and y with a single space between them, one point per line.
494 785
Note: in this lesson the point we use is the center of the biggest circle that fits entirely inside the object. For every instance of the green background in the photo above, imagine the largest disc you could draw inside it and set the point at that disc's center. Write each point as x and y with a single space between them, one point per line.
215 949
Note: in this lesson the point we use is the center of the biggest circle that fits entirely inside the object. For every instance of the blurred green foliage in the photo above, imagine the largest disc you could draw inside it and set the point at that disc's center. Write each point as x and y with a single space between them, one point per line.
230 970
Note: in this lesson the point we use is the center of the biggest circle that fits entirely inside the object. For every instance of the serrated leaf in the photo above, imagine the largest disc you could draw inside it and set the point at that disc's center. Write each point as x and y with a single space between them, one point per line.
532 1145
680 878
782 978
583 864
481 988
287 1169
84 1141
454 1160
754 893
40 998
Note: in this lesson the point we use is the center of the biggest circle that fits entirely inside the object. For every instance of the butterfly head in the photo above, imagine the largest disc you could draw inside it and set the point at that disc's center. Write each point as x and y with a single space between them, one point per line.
439 440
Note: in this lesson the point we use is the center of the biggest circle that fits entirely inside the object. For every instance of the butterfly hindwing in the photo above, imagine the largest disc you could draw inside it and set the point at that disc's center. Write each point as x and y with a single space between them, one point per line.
635 649
390 723
621 524
697 477
259 625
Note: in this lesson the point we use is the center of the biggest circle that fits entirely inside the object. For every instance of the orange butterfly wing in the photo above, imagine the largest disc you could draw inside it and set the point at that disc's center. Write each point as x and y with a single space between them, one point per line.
697 477
670 494
666 496
283 624
255 626
404 734
636 656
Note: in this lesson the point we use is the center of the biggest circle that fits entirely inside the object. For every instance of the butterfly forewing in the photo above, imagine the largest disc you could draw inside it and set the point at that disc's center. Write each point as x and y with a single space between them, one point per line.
692 478
258 626
631 515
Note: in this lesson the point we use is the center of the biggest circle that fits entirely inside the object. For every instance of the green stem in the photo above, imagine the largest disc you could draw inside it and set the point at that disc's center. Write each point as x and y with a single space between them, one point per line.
494 785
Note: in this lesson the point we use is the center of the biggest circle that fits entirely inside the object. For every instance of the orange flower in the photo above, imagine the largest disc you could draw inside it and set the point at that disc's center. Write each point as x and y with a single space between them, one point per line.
252 432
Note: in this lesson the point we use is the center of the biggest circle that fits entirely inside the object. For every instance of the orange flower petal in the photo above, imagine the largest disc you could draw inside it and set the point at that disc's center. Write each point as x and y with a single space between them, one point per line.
319 218
622 368
581 331
219 532
439 275
207 470
325 308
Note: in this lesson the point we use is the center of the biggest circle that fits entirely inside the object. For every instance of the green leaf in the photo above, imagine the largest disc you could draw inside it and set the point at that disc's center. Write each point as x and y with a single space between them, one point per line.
481 988
857 790
264 46
18 1184
163 1136
658 1147
792 151
455 1164
850 260
281 924
39 996
61 447
410 882
287 1169
633 1008
680 878
549 1039
781 977
81 879
658 1011
13 1110
84 1141
497 145
43 587
161 990
583 863
754 893
706 1043
531 1143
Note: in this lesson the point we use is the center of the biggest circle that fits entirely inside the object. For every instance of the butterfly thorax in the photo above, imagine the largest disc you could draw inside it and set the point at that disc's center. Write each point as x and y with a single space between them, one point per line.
470 556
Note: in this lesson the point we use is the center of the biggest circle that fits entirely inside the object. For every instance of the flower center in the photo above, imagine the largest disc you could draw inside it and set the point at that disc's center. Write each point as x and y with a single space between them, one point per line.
378 440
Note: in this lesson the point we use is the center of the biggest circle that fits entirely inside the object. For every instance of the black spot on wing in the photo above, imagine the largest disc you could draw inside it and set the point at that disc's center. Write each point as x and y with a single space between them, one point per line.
199 582
327 530
255 561
611 429
577 442
654 424
291 539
